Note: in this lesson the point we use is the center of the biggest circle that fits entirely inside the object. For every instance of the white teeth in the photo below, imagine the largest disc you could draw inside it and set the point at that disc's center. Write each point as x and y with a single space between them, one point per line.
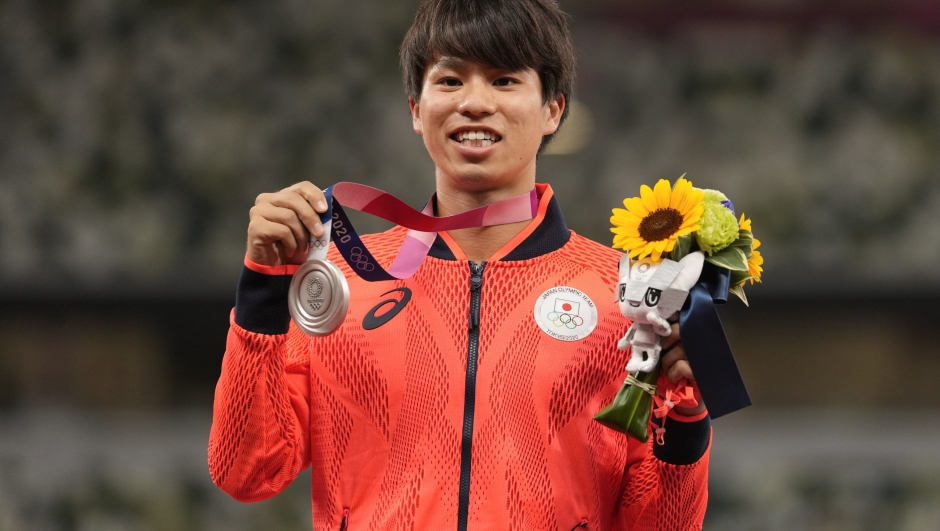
476 138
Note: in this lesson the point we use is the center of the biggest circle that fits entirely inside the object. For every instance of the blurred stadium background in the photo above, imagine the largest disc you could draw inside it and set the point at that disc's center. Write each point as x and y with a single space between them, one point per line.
135 134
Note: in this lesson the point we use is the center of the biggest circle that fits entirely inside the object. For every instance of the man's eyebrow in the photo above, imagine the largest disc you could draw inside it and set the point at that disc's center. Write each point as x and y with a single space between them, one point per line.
450 62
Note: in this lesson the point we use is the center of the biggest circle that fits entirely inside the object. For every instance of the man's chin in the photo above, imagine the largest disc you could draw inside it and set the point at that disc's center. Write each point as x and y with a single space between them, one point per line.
475 180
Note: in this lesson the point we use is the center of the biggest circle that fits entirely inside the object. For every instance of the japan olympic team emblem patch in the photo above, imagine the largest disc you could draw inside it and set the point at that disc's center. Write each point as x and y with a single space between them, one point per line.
565 313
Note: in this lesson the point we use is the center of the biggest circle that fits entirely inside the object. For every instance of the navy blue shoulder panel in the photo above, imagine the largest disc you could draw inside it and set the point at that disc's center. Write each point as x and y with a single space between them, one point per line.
551 234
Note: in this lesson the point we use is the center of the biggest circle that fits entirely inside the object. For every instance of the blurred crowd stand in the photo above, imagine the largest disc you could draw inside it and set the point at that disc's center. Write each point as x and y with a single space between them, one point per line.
136 134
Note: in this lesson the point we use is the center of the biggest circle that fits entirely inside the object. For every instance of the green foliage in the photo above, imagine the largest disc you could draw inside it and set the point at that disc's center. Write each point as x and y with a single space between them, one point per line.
732 258
738 290
682 248
745 241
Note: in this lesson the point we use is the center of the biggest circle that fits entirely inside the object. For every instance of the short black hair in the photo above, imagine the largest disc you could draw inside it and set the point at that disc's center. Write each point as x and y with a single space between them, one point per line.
505 34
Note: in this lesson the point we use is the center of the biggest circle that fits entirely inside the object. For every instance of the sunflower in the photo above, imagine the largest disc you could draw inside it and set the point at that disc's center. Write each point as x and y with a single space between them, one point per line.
652 222
754 262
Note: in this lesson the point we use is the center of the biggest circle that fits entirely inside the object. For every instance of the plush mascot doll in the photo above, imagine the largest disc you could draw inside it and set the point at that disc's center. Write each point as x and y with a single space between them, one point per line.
649 293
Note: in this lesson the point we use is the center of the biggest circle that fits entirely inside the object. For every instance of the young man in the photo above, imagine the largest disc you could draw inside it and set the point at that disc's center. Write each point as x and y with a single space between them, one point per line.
463 408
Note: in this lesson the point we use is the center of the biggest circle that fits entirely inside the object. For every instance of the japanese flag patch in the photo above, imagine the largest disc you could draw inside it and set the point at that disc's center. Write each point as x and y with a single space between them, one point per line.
565 313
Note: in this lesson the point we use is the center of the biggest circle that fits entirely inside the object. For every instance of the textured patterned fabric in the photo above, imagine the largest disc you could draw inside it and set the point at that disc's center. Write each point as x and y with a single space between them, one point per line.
378 413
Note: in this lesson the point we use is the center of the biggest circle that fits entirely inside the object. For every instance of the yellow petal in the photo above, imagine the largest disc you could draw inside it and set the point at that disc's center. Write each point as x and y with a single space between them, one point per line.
692 200
636 206
694 213
645 250
628 225
679 193
625 217
662 193
649 198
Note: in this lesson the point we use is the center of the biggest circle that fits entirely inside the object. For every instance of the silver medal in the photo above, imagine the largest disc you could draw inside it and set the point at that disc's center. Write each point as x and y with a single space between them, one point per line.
318 298
319 295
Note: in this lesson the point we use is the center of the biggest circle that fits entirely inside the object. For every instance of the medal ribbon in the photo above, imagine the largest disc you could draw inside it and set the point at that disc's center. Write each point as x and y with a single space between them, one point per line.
423 227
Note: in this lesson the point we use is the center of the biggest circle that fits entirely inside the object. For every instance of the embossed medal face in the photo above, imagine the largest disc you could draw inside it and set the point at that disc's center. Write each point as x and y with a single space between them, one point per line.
317 291
318 297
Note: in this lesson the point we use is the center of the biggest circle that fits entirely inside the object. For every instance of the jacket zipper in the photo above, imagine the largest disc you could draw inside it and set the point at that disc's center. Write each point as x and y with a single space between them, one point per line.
345 521
470 393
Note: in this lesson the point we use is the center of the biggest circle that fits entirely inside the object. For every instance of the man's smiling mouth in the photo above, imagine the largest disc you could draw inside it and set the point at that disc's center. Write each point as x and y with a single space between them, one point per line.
476 138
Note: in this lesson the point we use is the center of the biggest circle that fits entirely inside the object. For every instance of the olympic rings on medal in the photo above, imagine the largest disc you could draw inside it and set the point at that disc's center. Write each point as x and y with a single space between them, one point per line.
360 259
320 244
565 319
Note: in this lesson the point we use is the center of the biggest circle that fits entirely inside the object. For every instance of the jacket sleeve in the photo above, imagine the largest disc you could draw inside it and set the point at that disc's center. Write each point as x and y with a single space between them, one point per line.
259 440
666 486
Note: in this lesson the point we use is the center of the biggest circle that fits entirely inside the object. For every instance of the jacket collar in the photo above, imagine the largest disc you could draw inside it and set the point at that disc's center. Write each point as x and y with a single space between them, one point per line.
546 232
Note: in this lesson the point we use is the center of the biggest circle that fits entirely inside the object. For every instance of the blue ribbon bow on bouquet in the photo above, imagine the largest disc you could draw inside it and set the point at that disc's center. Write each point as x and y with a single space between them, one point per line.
706 346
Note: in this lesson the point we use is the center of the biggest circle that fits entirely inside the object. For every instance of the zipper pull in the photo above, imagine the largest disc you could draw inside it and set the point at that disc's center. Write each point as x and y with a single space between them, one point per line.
476 282
476 276
345 520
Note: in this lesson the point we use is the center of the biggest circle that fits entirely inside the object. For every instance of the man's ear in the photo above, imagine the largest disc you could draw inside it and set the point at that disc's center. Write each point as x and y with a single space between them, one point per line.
556 107
415 115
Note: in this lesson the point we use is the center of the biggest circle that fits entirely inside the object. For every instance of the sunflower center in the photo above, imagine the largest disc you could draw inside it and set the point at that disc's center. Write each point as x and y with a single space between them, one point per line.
660 224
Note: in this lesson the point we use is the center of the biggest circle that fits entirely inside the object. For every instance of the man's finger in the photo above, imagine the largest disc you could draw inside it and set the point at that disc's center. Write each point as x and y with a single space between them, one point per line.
265 232
302 209
312 194
286 217
680 369
675 354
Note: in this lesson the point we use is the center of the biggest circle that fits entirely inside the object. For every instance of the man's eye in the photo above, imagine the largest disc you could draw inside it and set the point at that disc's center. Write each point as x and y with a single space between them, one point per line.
450 82
503 82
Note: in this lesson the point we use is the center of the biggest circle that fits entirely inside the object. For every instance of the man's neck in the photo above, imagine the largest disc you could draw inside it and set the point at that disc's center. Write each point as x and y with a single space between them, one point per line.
479 244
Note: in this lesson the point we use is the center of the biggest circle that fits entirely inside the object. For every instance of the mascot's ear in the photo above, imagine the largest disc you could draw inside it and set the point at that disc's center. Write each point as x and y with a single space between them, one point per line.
625 266
691 270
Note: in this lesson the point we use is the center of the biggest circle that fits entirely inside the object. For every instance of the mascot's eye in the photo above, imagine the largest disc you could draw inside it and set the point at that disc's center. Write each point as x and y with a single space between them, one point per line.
652 296
623 291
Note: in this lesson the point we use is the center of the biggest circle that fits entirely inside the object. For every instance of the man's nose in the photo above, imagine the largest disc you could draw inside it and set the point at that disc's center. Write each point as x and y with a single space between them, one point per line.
477 99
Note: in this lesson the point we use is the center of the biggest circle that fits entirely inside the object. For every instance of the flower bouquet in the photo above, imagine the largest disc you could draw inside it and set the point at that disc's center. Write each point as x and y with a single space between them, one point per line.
675 237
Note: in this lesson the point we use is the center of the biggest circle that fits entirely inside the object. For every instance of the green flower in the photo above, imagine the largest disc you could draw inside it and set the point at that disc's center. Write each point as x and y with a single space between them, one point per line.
719 228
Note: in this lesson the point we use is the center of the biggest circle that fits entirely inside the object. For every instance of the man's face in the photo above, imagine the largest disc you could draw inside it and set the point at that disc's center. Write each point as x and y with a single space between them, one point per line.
483 127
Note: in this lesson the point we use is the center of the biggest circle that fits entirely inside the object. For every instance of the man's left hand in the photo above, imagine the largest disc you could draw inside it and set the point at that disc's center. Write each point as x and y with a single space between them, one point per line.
675 364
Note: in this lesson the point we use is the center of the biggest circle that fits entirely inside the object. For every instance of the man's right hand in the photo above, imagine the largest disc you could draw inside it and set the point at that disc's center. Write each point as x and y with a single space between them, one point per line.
281 223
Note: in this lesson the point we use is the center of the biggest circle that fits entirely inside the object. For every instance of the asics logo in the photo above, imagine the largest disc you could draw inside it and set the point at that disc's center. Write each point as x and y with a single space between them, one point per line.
362 262
372 321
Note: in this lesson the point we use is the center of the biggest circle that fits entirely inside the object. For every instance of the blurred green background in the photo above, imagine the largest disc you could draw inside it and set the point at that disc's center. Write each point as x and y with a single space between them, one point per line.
135 134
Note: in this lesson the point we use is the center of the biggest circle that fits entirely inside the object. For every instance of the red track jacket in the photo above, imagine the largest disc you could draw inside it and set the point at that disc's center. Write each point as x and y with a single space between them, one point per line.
457 412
